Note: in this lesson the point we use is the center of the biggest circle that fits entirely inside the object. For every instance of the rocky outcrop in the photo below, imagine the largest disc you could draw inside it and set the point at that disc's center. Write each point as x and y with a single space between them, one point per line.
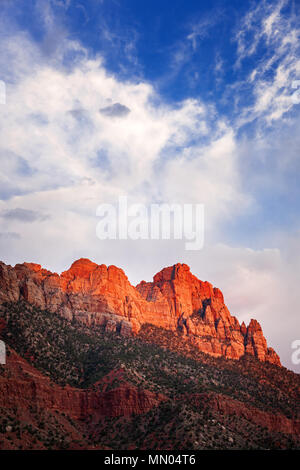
275 422
22 386
176 300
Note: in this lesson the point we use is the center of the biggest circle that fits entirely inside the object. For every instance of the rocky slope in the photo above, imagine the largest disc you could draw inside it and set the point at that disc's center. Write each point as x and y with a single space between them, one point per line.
103 296
24 385
175 300
66 385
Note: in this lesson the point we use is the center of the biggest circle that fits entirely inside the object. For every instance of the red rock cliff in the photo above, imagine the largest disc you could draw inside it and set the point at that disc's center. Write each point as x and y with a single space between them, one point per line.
22 385
175 300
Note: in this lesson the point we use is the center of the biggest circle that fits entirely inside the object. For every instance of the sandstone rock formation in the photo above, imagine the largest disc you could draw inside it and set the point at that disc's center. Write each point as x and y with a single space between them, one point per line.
176 300
22 385
232 407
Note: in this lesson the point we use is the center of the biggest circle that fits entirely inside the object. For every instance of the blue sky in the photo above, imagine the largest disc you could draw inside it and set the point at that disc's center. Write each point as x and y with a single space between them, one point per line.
187 50
182 101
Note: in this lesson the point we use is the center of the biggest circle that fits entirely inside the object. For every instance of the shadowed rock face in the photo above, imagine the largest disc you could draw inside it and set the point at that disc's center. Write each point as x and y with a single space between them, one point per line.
176 300
25 385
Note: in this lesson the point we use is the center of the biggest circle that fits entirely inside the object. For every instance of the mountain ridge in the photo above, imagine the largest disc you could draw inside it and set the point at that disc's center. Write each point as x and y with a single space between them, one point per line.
175 300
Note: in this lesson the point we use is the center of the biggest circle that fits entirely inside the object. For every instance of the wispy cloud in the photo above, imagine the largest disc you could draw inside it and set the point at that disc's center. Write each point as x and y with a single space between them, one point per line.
183 50
276 33
23 215
120 41
260 23
9 236
115 110
200 29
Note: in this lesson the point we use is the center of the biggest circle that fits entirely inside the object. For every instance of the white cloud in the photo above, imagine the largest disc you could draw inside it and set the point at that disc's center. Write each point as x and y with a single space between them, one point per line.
261 284
277 34
62 157
200 29
52 124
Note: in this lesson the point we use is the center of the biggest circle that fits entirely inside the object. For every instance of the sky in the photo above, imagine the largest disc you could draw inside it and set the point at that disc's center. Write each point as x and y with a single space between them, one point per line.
162 102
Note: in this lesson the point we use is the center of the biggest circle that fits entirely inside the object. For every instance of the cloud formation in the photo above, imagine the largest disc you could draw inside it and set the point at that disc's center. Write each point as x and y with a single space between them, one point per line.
9 236
267 28
115 110
23 215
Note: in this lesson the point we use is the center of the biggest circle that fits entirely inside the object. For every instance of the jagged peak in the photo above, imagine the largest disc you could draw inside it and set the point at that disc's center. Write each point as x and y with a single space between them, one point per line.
169 273
83 262
32 266
254 325
243 328
100 290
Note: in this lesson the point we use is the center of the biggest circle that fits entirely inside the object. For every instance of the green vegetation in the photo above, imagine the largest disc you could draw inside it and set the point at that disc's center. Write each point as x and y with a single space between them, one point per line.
71 353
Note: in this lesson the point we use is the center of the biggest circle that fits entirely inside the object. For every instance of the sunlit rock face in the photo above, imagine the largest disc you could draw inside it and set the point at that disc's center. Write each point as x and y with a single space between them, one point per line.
176 300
